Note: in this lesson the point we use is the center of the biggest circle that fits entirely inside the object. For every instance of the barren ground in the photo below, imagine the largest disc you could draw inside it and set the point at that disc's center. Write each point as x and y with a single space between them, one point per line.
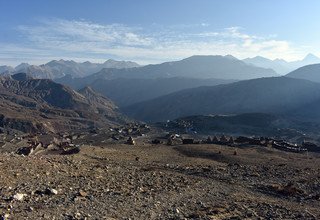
162 182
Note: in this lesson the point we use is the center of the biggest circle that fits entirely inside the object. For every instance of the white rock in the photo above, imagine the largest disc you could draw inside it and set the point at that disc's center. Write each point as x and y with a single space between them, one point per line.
5 216
19 196
54 191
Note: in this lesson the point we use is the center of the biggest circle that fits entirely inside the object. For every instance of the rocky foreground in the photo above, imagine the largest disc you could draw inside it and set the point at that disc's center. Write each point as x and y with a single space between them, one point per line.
146 181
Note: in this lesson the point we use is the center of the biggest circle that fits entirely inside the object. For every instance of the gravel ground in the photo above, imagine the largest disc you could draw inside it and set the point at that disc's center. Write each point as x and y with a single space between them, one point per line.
161 182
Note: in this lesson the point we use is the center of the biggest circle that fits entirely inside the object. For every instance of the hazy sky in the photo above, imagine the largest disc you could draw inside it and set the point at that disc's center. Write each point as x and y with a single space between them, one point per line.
150 31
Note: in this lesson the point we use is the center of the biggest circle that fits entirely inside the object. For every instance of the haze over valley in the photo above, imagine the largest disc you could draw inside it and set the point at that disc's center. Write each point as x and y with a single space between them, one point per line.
159 110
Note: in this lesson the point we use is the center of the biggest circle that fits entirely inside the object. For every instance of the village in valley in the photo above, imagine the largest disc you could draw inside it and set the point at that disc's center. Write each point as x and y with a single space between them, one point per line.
159 110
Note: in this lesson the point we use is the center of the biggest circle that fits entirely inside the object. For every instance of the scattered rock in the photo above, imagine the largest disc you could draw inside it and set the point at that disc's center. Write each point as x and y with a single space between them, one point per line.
5 216
26 151
47 191
68 151
130 141
19 196
190 181
83 193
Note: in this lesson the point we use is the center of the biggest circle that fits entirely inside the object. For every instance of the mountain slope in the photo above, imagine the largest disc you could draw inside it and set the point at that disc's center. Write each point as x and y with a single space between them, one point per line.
6 69
310 72
124 91
99 102
33 105
266 95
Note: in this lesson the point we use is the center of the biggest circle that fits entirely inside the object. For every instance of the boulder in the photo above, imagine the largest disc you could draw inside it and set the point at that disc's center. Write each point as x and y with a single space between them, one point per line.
130 141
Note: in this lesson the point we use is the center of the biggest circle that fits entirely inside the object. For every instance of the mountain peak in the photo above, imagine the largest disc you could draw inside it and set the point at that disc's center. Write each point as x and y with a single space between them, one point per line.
21 66
87 89
311 58
261 58
203 58
109 60
229 56
210 57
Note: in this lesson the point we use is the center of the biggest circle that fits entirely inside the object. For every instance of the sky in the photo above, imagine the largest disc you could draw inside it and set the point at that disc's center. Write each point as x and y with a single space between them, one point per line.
150 31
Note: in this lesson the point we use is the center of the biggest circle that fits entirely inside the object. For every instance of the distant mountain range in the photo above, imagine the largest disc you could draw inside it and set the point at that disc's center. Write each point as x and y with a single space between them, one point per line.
281 66
33 105
276 95
198 85
6 69
132 85
199 67
223 67
59 68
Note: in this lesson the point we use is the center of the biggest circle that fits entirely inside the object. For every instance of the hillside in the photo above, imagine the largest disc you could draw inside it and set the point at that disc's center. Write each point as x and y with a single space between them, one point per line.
99 102
124 91
32 105
266 95
6 69
310 72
